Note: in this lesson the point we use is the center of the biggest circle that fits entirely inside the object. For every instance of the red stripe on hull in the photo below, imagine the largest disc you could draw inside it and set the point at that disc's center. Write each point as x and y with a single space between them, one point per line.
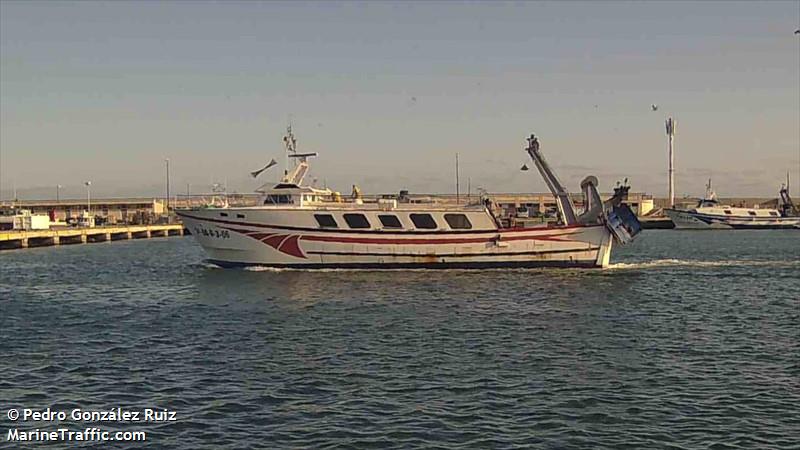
291 246
274 239
429 241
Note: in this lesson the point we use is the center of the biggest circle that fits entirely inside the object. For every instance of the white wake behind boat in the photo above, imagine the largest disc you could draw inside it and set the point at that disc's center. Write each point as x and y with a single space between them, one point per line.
300 226
711 214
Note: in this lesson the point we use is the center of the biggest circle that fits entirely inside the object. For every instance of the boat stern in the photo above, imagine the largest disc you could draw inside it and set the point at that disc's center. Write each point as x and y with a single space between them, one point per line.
623 224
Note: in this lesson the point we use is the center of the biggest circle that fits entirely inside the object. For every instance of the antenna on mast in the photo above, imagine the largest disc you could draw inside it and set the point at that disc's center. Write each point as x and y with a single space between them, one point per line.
300 166
290 142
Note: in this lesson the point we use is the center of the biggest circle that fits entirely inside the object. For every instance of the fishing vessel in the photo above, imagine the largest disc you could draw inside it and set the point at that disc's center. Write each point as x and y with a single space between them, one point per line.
711 214
296 225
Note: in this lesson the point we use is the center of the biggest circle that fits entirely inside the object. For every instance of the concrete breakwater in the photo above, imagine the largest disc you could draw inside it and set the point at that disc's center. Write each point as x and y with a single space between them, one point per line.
12 239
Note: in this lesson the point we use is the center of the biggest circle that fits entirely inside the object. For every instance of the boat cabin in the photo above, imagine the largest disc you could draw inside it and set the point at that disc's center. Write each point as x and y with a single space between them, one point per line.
284 194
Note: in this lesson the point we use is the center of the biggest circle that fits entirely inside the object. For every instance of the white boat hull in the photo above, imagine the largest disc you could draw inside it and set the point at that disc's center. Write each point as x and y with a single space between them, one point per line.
268 242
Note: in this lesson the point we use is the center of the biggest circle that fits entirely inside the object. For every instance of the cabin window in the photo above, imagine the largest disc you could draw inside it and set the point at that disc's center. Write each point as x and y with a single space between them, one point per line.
424 221
460 221
773 213
727 211
223 214
752 213
390 221
326 221
356 221
240 216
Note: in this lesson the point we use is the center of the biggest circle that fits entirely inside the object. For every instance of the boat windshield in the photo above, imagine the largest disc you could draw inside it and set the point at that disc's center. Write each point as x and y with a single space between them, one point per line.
707 203
277 199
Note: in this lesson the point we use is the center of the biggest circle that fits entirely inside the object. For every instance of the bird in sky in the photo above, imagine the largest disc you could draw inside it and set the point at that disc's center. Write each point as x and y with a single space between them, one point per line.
654 107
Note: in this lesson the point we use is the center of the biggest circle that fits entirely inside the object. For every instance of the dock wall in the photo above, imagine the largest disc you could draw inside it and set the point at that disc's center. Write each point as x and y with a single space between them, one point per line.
12 239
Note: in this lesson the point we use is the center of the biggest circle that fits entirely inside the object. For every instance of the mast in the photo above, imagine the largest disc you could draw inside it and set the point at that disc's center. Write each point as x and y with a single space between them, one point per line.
671 135
786 203
301 167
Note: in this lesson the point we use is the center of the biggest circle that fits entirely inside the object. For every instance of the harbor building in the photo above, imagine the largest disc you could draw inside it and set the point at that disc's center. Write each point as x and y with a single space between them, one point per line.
111 211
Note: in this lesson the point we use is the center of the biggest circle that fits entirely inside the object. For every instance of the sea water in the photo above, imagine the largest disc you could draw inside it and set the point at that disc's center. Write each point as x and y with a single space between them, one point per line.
691 339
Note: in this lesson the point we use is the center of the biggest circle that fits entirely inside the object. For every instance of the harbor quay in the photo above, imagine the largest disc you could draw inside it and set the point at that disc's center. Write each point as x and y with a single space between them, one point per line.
13 239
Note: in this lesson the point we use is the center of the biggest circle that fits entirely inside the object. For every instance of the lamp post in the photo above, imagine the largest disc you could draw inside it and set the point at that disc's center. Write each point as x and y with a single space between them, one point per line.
166 160
58 192
457 189
88 185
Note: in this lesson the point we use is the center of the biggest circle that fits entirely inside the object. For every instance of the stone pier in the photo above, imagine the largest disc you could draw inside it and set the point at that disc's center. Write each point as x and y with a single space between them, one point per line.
16 239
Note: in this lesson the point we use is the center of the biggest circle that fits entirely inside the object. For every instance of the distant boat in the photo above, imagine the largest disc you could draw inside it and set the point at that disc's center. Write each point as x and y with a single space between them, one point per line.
711 214
300 226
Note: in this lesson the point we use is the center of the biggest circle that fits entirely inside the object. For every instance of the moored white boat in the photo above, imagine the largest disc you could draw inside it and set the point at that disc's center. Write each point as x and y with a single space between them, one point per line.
711 214
300 226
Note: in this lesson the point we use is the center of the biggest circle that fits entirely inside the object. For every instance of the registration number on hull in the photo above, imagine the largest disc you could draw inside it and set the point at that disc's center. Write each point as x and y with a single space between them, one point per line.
212 233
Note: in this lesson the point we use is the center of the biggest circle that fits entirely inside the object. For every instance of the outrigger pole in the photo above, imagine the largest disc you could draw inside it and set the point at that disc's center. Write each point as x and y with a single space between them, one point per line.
565 206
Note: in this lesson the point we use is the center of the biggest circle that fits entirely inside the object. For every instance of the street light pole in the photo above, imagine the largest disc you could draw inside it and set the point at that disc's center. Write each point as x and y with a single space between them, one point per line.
58 192
457 189
88 196
167 199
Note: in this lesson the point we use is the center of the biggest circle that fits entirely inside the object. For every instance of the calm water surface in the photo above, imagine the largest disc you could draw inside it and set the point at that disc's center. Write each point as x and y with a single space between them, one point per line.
691 340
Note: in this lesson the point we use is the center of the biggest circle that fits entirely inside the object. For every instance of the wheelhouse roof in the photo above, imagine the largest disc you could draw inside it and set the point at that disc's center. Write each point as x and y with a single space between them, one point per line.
291 188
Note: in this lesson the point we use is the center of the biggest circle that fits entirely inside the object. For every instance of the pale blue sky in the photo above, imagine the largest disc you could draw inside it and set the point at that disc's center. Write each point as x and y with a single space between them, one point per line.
389 92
